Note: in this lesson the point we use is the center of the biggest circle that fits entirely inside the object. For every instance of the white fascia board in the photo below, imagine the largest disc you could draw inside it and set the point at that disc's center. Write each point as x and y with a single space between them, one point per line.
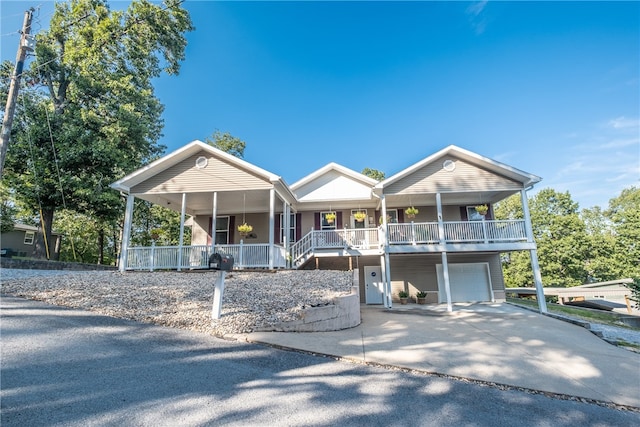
157 166
527 179
339 168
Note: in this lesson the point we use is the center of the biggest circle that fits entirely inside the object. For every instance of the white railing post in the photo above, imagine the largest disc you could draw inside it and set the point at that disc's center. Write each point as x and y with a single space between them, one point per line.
152 256
484 231
183 211
413 233
241 254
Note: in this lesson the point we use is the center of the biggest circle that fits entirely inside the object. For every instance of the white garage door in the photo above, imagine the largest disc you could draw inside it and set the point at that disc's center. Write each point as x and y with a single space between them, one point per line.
468 282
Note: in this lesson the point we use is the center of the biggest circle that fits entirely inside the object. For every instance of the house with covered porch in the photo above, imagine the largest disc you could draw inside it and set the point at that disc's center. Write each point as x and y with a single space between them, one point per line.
337 218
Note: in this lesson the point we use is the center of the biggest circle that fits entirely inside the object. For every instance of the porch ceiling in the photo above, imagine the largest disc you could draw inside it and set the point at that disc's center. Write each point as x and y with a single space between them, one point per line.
454 198
230 202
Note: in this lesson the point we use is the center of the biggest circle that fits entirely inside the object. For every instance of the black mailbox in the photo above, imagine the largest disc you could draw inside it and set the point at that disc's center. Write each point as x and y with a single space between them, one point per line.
221 262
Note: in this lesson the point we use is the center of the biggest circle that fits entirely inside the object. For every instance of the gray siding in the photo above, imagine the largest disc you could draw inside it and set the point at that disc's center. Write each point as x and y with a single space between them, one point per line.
217 176
432 178
418 272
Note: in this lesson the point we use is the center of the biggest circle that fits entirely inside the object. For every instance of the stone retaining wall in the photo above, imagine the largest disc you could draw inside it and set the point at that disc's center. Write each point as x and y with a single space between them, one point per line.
37 264
343 313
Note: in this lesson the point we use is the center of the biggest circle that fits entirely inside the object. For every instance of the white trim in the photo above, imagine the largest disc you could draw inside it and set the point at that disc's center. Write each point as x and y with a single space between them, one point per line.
29 237
525 178
333 167
126 233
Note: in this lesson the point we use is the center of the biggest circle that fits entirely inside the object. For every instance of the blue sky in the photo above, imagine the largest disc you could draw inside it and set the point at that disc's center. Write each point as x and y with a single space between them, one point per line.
547 87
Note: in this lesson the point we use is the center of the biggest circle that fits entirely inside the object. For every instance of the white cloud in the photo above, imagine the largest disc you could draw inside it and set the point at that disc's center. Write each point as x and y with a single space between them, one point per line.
474 9
599 163
624 123
621 143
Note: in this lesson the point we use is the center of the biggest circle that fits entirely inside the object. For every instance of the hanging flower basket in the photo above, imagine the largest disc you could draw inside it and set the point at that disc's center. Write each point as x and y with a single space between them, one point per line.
482 209
411 212
245 229
381 219
359 216
330 217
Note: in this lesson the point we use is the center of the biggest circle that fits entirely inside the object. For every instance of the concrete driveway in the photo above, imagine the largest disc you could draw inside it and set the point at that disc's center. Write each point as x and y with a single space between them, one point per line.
495 343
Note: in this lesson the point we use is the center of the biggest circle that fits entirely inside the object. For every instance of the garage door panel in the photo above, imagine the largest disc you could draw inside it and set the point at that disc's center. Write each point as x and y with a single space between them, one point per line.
467 282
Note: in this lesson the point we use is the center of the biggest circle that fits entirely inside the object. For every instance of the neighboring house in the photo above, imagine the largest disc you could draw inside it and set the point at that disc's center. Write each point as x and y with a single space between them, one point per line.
448 249
611 295
21 242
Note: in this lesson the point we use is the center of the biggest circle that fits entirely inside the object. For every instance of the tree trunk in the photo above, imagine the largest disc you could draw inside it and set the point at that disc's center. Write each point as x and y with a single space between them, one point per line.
100 246
116 248
40 250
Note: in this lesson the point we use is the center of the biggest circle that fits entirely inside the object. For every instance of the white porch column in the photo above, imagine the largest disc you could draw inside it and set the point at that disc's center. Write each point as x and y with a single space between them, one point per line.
183 211
384 259
214 215
272 208
286 226
440 220
537 278
126 233
445 276
535 266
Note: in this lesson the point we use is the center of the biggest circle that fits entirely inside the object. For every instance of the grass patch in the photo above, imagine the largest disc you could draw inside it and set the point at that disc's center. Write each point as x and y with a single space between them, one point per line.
604 317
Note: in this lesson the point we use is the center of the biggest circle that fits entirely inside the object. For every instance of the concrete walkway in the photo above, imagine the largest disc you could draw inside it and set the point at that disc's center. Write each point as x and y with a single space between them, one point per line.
496 343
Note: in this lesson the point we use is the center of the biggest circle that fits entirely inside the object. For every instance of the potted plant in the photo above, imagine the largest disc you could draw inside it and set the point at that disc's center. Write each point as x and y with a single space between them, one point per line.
330 217
482 209
381 220
421 297
359 216
411 212
245 229
404 297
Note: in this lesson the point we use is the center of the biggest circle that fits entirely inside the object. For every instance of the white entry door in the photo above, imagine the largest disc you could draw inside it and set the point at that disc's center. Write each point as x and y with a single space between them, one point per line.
373 284
468 282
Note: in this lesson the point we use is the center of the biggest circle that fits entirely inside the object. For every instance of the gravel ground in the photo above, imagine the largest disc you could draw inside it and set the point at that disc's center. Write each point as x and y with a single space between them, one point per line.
183 299
256 300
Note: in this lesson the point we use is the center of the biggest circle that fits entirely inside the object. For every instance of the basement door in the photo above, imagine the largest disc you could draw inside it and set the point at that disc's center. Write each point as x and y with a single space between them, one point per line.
373 285
468 282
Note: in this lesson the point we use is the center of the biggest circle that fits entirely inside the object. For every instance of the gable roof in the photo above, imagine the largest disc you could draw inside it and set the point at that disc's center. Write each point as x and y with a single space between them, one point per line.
125 184
333 182
17 226
472 158
333 167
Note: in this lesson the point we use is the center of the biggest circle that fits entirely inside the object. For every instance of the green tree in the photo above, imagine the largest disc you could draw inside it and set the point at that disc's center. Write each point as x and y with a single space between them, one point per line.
561 238
516 265
227 143
624 214
155 223
373 173
601 245
7 209
94 116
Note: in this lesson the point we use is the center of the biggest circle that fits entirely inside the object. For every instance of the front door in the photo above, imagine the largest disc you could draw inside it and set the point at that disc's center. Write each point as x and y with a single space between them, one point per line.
374 285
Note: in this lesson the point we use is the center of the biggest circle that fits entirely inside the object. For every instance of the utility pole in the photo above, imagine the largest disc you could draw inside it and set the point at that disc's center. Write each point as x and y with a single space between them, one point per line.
26 44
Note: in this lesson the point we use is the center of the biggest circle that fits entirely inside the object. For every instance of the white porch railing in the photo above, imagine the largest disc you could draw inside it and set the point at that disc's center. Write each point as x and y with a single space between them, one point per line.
258 255
197 256
485 231
356 238
254 255
414 233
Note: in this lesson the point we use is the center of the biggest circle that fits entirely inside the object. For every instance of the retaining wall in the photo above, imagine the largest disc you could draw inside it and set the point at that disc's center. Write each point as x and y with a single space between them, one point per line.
38 264
342 313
